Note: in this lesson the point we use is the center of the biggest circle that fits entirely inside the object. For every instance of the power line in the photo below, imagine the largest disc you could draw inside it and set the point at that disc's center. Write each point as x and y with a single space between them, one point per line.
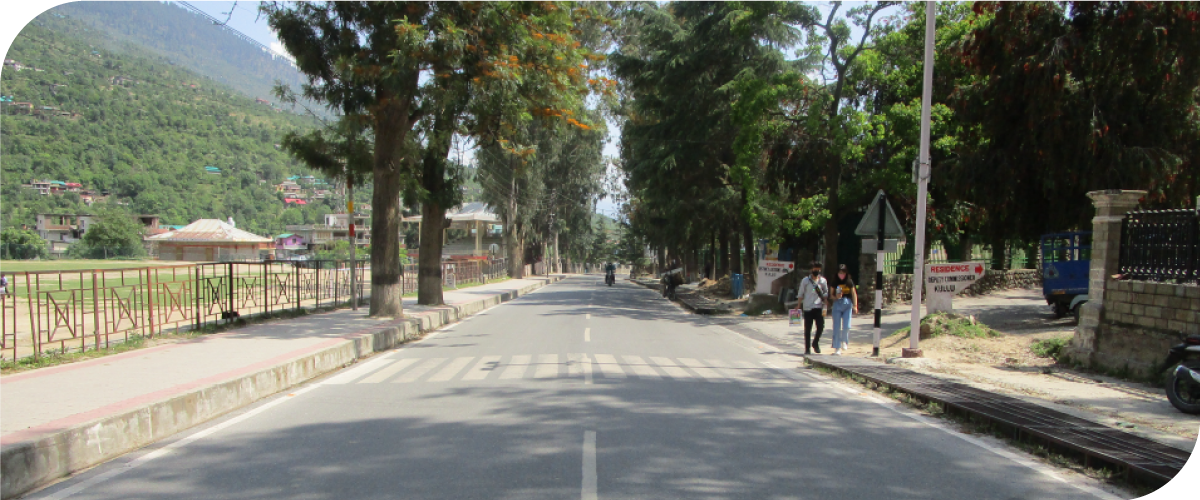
230 29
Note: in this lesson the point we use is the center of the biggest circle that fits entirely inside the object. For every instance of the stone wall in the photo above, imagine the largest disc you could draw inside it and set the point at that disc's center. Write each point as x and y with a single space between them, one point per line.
897 288
1139 322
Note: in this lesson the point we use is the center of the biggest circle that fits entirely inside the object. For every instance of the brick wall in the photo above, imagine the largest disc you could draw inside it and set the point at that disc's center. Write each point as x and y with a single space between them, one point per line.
1140 321
1157 306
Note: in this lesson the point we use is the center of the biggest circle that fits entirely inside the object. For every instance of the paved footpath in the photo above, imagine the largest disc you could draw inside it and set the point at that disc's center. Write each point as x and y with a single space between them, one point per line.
46 403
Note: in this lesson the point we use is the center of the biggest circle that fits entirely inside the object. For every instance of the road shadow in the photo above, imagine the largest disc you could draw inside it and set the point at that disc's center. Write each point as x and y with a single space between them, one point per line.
654 439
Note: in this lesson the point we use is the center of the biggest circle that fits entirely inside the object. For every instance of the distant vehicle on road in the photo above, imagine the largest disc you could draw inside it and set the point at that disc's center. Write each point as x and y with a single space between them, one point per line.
1066 261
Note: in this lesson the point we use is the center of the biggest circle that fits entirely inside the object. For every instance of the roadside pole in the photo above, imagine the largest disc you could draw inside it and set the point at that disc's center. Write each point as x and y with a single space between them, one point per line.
353 247
914 334
879 222
879 256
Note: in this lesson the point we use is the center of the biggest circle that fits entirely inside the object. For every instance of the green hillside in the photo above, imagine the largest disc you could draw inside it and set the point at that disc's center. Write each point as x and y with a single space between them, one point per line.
168 32
142 130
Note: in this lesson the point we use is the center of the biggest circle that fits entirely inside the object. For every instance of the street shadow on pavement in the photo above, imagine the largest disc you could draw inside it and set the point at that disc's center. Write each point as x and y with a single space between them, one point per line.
654 439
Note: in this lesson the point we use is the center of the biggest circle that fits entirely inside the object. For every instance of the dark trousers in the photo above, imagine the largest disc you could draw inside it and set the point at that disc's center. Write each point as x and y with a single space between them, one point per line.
813 316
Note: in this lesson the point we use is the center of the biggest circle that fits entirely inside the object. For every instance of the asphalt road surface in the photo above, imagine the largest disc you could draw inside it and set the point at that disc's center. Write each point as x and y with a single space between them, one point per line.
579 390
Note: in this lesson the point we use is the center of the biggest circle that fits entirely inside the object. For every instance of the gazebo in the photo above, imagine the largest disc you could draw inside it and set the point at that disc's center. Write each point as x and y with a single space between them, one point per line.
474 217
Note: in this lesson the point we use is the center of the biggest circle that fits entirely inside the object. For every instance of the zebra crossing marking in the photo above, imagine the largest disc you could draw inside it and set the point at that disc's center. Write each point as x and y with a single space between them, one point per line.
640 367
702 370
451 370
419 370
483 368
388 371
548 366
670 368
608 366
516 367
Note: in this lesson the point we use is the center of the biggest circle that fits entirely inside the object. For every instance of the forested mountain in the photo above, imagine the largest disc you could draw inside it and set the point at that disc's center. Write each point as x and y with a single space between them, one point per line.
184 39
141 129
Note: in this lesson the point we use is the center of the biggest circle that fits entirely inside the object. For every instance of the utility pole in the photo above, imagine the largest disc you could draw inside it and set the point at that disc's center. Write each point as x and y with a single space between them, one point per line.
353 246
914 333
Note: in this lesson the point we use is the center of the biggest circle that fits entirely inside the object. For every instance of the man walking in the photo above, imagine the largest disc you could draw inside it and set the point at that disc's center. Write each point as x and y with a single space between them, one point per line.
814 295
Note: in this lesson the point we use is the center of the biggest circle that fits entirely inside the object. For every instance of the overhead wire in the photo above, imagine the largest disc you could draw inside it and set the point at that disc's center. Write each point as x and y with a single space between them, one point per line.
225 26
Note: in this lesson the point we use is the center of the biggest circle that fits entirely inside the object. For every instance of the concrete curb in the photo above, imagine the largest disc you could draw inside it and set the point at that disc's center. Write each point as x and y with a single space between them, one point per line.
37 462
686 301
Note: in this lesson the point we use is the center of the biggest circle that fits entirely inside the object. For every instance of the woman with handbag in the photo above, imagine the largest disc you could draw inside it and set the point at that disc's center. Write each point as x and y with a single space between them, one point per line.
844 303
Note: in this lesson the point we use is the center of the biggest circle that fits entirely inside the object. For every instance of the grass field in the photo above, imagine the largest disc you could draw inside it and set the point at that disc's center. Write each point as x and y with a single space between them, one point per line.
20 266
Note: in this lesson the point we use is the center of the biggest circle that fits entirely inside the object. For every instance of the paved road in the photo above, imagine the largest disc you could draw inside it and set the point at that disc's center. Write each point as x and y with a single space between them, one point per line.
576 391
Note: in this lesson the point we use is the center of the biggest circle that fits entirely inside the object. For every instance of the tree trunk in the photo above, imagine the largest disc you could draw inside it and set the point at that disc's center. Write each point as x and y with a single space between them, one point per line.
722 254
391 127
735 250
438 196
429 265
831 237
712 256
748 265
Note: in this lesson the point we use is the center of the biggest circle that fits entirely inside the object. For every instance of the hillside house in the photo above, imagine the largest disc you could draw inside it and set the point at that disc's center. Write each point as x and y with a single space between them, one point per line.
62 230
20 108
16 66
211 240
288 187
74 187
259 100
335 228
294 201
289 245
42 187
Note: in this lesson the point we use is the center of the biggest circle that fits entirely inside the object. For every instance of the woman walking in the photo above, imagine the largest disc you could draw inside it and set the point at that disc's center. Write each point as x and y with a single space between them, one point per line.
845 302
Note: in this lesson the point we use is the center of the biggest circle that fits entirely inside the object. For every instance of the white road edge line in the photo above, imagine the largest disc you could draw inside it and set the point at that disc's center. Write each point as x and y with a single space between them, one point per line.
166 450
1020 460
588 490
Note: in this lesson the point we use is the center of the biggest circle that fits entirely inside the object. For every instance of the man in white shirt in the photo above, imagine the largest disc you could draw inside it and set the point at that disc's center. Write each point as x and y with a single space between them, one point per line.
814 296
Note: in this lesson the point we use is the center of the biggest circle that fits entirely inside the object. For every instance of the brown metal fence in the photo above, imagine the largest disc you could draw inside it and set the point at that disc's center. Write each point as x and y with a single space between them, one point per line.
62 311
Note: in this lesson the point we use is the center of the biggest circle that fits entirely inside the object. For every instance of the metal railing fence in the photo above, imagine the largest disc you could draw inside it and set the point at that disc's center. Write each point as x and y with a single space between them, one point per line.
64 311
1161 245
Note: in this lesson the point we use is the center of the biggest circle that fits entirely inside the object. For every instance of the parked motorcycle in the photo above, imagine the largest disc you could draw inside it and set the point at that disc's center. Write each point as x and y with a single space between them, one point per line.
1183 386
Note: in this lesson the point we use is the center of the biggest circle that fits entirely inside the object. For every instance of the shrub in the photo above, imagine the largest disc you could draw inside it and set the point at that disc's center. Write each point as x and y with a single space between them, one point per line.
1050 348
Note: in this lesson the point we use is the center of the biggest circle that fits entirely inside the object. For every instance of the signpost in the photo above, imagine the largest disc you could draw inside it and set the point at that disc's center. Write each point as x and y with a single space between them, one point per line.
944 281
769 271
881 222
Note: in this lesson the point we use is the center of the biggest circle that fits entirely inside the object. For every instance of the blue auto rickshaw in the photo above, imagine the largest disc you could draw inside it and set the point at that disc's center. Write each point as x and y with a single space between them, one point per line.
1066 262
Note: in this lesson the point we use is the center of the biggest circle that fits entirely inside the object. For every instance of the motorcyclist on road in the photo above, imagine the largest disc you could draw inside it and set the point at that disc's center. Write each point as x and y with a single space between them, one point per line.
671 278
610 272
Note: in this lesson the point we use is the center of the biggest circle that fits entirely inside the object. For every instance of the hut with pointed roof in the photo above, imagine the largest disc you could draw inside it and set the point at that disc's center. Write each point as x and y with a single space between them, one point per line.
212 240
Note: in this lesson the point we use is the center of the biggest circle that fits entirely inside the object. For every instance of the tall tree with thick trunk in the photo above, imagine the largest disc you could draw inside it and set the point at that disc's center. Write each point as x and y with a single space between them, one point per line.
390 64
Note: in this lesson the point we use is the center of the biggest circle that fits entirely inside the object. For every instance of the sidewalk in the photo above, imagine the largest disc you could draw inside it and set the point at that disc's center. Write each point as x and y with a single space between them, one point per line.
1001 365
60 419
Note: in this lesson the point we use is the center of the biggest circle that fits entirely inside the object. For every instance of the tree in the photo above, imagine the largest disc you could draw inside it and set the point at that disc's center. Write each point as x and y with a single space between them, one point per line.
680 65
22 244
365 59
115 233
1064 98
